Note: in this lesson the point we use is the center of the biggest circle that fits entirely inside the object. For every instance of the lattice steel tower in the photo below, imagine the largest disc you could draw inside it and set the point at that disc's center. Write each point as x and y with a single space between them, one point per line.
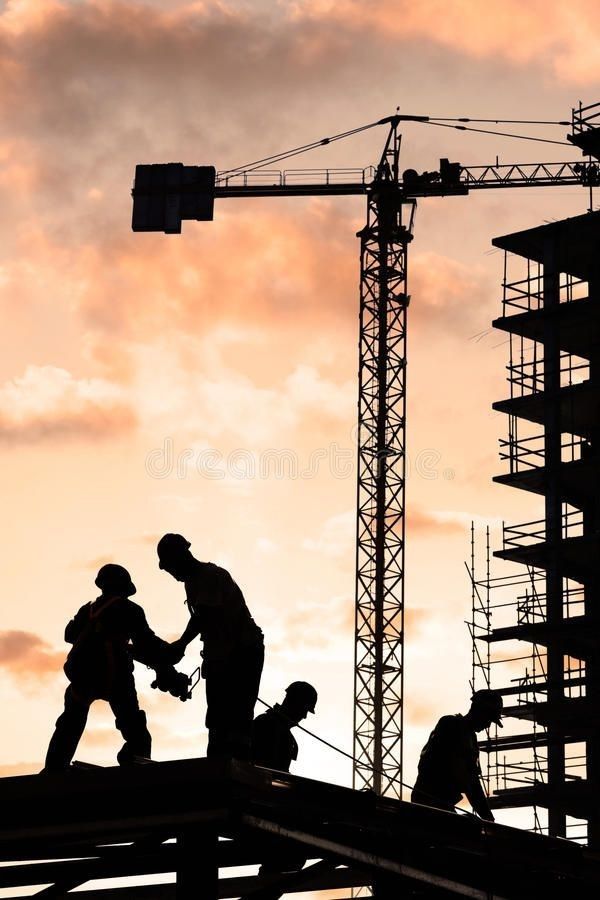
381 479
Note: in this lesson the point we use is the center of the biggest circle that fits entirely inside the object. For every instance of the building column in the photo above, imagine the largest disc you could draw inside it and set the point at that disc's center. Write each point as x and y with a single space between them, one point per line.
197 876
553 519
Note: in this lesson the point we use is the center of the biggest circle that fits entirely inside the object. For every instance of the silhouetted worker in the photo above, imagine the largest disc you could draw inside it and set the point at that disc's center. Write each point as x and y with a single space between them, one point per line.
449 763
273 744
107 635
233 648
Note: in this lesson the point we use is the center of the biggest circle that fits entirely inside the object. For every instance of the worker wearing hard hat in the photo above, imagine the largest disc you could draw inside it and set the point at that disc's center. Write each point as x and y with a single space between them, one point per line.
233 647
449 763
273 744
275 747
107 635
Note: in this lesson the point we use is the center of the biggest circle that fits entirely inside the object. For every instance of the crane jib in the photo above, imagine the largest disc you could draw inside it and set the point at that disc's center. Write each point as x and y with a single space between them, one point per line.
166 194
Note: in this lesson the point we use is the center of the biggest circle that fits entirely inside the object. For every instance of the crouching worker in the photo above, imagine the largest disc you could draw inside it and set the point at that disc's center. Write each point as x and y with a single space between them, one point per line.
275 747
107 635
449 764
273 744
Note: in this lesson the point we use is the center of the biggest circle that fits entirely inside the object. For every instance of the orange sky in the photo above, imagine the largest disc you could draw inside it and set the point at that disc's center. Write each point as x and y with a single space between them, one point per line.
239 336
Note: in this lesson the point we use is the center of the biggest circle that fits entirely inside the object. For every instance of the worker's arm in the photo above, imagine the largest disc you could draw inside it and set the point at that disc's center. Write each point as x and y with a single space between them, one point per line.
478 799
203 599
77 624
147 647
192 630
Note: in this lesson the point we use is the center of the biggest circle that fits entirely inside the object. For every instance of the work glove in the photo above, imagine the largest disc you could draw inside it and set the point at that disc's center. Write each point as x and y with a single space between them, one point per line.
169 680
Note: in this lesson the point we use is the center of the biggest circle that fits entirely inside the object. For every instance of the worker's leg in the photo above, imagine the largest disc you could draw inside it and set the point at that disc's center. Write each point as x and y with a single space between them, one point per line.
67 733
217 675
246 678
131 722
231 692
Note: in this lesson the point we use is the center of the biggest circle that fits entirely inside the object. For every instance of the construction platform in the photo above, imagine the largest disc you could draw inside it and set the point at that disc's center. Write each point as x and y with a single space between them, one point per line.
200 818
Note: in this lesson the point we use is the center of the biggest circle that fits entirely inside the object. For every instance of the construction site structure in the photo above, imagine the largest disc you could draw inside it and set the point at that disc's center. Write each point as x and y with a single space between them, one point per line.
167 194
192 825
549 601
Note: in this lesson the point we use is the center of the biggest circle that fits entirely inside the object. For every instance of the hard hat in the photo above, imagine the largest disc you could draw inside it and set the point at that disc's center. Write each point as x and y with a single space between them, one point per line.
112 577
491 701
304 693
171 545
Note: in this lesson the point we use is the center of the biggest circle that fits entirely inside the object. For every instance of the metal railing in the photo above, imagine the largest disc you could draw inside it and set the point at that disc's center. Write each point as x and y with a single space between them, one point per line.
289 177
526 453
531 606
520 773
526 376
524 294
528 533
585 117
527 294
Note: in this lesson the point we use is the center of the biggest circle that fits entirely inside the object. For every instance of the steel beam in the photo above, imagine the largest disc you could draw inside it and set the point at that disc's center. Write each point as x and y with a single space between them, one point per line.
227 887
372 860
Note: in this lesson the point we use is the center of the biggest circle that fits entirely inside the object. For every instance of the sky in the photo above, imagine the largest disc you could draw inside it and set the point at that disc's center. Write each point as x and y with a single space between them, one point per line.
150 383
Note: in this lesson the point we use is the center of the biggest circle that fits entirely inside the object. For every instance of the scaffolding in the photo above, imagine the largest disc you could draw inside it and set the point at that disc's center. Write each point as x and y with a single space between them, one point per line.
513 759
546 597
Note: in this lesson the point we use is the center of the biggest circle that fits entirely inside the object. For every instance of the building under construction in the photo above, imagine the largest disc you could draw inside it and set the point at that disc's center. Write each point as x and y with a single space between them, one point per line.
548 603
194 828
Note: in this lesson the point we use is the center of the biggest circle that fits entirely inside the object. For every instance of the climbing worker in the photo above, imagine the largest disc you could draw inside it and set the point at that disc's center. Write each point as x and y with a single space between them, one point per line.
233 647
449 763
273 744
107 635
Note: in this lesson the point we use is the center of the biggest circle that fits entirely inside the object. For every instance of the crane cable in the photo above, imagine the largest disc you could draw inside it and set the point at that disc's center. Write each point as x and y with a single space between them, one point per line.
499 121
278 157
425 120
522 137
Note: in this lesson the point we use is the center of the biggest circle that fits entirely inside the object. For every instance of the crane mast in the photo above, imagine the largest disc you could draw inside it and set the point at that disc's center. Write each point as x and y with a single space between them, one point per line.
166 194
380 481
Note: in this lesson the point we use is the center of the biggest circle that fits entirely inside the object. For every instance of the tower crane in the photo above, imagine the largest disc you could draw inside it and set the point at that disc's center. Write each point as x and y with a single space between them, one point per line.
166 194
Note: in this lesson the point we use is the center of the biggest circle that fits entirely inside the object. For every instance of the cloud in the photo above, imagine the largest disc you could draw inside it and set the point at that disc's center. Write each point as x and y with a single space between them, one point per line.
335 537
115 77
95 563
237 425
47 402
234 404
26 655
416 619
420 522
300 628
266 546
283 264
562 36
449 295
422 713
